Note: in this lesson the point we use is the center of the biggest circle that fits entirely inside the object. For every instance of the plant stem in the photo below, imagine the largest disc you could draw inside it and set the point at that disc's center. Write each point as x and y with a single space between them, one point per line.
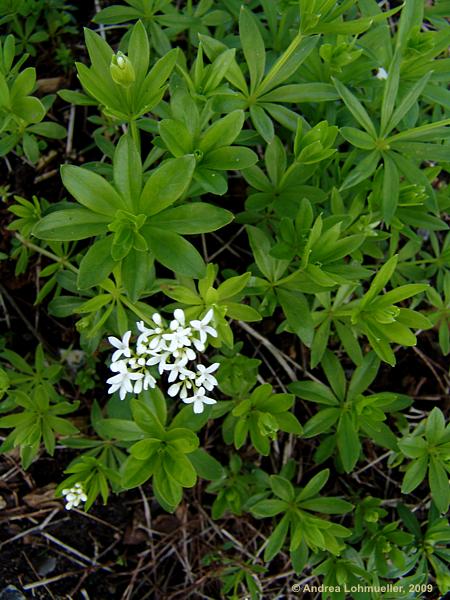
135 134
63 261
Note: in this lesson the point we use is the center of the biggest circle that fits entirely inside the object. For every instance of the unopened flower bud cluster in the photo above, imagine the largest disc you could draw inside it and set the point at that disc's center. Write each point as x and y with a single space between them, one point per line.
74 496
172 349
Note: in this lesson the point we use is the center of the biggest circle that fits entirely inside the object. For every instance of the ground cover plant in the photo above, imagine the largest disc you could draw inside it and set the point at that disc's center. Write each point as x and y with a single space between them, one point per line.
225 292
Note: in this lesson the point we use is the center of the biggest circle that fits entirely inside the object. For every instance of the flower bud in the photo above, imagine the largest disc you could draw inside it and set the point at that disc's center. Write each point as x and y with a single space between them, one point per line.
122 70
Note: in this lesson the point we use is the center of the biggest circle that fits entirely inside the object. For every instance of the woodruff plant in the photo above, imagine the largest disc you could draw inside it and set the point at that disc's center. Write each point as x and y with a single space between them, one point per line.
316 133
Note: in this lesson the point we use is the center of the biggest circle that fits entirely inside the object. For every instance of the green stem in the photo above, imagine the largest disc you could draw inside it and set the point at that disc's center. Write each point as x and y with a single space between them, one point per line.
61 260
135 134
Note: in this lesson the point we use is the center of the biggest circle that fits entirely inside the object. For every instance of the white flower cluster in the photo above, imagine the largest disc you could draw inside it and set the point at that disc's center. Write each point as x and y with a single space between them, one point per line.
171 348
74 496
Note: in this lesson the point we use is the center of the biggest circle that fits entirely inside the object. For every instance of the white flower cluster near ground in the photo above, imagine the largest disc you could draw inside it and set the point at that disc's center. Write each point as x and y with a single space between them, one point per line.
171 348
74 496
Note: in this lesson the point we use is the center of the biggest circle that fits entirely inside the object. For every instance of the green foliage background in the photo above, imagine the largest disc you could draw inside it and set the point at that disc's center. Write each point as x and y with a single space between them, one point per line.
315 132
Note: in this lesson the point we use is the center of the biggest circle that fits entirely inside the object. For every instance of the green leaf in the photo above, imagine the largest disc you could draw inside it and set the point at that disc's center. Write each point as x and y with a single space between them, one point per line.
380 280
127 171
242 312
288 422
270 267
348 443
206 466
358 138
335 373
166 184
320 341
435 426
314 485
232 286
321 422
349 341
99 51
179 467
288 63
276 539
439 484
120 429
136 472
399 294
111 15
390 189
355 107
363 171
4 92
49 130
136 272
410 520
252 46
182 294
302 92
407 102
91 190
328 506
30 109
181 438
262 123
275 159
174 252
146 419
415 474
211 181
222 132
152 88
139 50
426 132
413 447
390 92
409 22
30 147
194 218
282 488
363 375
96 264
298 314
230 157
70 225
77 98
176 137
313 391
268 508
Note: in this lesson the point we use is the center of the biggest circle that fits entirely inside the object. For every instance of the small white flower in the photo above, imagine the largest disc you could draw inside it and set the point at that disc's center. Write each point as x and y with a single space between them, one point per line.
180 387
148 381
184 353
179 338
381 73
122 381
199 399
178 371
160 360
179 319
118 366
74 496
204 377
122 346
203 329
155 334
136 363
